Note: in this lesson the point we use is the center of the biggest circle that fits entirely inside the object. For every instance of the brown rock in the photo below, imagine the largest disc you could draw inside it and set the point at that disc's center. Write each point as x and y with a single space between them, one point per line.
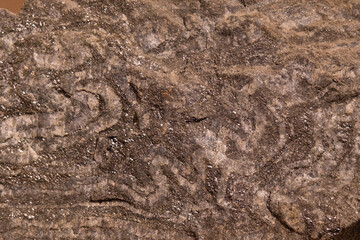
154 119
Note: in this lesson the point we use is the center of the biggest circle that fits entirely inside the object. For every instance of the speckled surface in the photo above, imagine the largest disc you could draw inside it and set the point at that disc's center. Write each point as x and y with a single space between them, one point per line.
156 119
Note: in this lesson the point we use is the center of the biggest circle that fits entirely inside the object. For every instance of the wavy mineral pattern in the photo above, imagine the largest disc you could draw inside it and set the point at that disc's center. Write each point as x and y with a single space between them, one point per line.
180 119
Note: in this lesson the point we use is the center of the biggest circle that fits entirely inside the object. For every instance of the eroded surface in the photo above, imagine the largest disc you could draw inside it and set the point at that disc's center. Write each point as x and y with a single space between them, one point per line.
155 119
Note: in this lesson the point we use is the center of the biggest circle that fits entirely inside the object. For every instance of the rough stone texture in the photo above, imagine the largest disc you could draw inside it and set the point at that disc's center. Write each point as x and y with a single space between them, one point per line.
180 119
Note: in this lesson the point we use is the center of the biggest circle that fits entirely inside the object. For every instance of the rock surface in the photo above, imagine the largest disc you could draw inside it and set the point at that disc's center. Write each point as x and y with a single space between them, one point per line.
154 119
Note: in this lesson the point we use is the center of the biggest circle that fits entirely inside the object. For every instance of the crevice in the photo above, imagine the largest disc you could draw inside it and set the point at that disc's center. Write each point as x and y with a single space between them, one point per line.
63 92
243 3
109 200
184 22
195 120
193 234
136 91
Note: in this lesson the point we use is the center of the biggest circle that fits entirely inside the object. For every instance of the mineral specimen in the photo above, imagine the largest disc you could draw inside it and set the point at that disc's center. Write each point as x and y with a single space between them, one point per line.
191 119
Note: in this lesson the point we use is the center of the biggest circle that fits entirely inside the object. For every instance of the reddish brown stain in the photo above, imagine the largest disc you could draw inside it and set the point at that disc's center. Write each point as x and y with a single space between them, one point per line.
12 5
